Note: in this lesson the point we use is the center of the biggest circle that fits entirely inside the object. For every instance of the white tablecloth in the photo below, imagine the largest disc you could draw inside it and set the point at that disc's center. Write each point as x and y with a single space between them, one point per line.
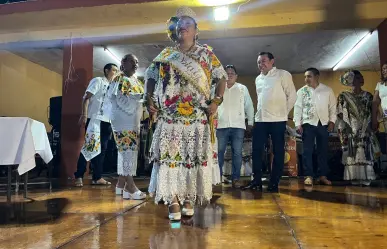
20 140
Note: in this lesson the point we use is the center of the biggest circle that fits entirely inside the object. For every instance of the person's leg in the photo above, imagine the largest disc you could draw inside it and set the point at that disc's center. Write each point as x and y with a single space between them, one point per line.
322 153
237 136
106 132
259 140
308 139
223 137
81 166
277 132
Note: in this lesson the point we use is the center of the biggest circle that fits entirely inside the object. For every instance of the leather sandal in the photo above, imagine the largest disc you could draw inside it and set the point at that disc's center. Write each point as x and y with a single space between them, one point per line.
308 181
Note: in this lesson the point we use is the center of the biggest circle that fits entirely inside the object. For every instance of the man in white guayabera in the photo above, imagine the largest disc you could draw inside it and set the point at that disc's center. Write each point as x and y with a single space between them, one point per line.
315 116
276 97
236 107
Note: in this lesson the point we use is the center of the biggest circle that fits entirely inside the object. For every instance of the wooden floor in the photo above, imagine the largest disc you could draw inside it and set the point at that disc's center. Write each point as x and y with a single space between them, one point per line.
93 217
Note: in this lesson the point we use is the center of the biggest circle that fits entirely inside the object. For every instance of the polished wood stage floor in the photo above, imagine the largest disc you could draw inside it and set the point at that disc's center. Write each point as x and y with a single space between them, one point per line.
93 217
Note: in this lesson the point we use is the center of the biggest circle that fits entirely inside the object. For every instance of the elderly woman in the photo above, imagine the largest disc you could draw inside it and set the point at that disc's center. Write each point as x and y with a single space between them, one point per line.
126 96
178 86
360 146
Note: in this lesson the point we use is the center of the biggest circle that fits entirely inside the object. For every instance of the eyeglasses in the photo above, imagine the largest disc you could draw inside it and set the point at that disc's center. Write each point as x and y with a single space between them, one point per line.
232 67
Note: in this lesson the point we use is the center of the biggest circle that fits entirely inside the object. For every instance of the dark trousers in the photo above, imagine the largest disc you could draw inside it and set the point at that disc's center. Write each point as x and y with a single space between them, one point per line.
261 132
310 134
96 162
236 136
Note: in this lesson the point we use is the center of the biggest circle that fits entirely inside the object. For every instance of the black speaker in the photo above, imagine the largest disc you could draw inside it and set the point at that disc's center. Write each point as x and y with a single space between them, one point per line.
55 111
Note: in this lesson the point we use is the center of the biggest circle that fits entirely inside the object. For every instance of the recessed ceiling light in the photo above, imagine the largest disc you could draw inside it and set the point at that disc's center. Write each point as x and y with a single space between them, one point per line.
221 13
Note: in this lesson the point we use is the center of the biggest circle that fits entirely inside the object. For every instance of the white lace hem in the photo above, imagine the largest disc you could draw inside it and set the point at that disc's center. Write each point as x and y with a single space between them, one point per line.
194 184
127 163
358 168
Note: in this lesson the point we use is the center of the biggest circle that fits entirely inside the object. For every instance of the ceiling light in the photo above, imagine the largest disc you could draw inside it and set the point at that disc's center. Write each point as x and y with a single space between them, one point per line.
216 2
352 51
113 56
221 13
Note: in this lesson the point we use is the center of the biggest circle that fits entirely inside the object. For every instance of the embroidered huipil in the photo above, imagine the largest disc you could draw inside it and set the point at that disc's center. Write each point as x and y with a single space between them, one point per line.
181 147
276 96
126 97
314 105
236 107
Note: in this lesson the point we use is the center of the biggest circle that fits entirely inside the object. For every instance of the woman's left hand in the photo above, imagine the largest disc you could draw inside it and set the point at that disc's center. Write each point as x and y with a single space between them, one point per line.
212 108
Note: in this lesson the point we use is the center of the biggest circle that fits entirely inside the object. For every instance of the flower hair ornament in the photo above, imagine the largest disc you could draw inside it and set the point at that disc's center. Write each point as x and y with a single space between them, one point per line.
347 78
171 30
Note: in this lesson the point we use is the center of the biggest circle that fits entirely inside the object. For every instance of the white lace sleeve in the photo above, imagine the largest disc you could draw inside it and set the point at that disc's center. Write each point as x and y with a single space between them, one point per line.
218 71
152 72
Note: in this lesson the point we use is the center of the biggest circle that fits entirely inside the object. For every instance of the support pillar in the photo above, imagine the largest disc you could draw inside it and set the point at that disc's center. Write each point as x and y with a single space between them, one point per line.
77 73
382 33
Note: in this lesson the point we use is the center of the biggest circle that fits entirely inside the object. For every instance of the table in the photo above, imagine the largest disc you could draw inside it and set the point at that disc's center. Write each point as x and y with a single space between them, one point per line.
20 139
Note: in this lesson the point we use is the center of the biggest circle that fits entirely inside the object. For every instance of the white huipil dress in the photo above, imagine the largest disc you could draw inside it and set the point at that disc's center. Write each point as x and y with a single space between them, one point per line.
181 151
127 109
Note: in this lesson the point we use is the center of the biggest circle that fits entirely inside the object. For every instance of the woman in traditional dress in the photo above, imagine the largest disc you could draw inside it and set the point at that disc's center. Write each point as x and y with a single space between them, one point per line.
360 146
126 97
178 85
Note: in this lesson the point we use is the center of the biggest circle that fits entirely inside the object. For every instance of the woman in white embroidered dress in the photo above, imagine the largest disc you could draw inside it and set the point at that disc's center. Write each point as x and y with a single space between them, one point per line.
179 91
126 97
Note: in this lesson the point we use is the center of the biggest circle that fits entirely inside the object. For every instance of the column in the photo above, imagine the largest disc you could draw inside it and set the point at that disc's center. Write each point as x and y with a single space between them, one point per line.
382 33
77 73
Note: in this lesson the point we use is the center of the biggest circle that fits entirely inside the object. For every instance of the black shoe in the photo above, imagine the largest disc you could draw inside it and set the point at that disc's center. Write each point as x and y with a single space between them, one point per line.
252 185
272 189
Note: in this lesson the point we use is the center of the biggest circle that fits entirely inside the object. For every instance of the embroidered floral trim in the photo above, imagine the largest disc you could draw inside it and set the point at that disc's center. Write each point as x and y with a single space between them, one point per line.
126 86
126 140
91 142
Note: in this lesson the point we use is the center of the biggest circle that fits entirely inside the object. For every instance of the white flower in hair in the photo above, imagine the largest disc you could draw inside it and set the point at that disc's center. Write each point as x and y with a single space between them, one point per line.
347 78
185 11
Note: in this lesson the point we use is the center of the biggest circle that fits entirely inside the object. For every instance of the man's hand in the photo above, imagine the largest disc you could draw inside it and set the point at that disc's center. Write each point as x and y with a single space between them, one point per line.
82 120
331 126
249 131
212 108
375 125
299 129
152 110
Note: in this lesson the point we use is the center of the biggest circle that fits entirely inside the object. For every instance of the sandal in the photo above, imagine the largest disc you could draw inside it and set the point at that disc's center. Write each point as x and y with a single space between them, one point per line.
324 181
188 211
100 182
308 181
119 191
138 195
78 182
174 216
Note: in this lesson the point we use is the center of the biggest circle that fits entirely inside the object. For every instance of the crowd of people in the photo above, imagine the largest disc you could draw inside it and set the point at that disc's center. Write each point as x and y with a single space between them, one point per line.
199 108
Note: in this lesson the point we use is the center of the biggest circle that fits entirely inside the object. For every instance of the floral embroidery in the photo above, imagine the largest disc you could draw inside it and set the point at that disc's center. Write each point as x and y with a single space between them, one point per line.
185 108
91 143
126 140
308 107
126 86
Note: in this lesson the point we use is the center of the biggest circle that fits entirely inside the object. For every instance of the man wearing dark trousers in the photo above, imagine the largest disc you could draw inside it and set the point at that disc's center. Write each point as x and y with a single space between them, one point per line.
314 117
95 118
276 97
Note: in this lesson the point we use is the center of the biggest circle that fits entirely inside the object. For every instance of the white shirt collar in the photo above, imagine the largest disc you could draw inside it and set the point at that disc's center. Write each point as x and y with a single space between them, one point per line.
270 73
